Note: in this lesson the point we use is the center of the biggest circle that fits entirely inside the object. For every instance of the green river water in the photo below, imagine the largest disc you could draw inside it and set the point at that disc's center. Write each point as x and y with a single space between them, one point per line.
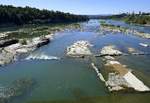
71 80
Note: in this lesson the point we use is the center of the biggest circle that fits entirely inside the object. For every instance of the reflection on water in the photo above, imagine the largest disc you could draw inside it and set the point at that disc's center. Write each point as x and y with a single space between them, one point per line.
70 80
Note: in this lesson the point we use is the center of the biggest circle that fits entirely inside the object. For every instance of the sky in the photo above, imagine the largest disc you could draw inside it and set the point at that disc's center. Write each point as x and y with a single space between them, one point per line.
90 7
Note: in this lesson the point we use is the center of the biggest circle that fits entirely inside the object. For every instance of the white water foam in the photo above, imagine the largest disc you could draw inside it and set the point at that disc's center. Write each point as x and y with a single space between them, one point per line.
41 56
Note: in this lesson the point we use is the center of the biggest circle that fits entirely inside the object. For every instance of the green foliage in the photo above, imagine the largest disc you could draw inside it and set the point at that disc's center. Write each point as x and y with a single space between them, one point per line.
141 18
28 15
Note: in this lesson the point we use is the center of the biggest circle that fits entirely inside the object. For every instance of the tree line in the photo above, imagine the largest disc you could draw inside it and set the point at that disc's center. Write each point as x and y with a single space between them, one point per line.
27 15
137 18
140 18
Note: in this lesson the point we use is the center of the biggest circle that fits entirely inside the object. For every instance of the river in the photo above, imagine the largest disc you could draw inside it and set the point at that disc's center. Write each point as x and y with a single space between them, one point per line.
73 80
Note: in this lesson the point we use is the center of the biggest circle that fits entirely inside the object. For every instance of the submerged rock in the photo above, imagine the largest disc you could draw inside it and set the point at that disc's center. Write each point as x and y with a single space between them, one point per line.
17 88
79 49
131 50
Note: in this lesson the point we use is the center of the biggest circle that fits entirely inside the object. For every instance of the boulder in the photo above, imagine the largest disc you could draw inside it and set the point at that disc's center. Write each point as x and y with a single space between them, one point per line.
6 57
43 42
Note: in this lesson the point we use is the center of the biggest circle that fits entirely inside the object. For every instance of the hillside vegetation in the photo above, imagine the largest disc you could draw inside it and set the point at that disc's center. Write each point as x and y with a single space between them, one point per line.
140 18
27 15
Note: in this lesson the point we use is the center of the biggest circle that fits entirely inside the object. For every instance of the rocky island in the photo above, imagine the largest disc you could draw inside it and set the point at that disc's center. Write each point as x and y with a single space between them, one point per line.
79 49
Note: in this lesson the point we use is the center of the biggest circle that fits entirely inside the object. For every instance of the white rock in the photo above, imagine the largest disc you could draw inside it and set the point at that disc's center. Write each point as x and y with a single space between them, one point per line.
143 44
135 82
116 82
13 47
110 50
50 36
109 58
79 48
22 50
109 62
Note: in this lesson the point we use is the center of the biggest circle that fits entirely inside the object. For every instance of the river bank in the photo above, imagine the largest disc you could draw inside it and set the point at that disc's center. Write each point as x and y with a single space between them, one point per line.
25 41
119 29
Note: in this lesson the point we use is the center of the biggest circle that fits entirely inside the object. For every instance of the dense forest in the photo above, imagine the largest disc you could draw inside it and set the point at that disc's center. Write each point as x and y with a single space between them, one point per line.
27 15
137 18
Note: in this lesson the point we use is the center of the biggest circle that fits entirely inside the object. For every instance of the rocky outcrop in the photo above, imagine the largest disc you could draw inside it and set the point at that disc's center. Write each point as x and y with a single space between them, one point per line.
79 49
116 82
121 78
4 34
110 51
9 53
43 42
6 57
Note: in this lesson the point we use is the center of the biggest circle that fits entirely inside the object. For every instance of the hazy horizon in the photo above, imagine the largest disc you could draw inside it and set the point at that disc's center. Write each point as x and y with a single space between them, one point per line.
85 7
